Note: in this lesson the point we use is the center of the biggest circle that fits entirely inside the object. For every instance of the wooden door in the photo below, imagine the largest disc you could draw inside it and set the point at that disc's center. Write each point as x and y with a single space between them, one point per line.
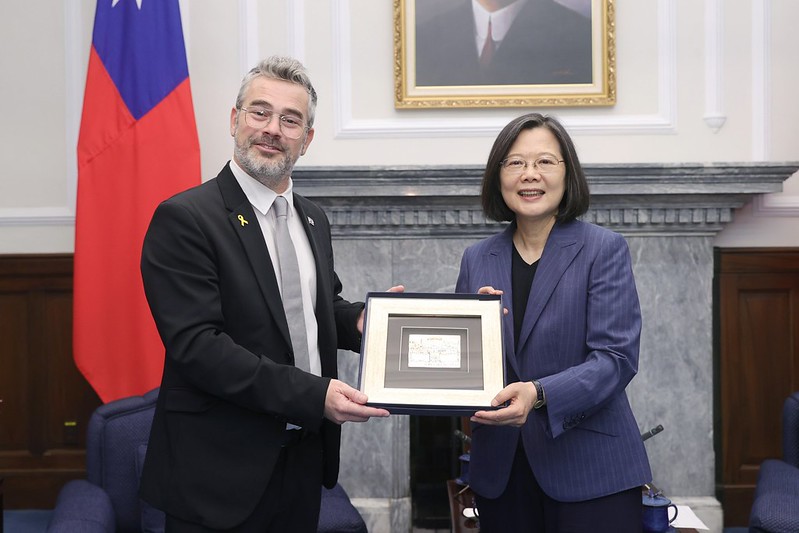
756 311
44 401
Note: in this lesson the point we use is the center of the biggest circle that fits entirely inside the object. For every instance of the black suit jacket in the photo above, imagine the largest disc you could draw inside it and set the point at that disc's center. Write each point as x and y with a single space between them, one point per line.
546 44
229 385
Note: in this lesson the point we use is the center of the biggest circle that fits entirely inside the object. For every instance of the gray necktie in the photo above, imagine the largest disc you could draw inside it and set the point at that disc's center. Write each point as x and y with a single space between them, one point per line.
291 283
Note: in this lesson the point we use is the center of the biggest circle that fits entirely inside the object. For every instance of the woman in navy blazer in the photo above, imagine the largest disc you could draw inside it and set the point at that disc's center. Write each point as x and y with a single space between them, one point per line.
565 452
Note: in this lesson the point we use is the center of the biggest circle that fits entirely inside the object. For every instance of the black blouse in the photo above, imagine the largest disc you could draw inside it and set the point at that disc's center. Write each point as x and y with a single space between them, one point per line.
522 276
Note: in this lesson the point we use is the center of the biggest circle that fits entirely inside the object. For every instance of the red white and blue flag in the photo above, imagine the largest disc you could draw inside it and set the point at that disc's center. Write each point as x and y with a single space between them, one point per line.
137 146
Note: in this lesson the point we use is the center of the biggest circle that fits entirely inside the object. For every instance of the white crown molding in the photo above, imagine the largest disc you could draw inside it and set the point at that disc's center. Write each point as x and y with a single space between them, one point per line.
714 76
761 82
667 68
663 121
248 35
249 43
36 216
342 75
295 13
348 127
776 205
75 63
185 6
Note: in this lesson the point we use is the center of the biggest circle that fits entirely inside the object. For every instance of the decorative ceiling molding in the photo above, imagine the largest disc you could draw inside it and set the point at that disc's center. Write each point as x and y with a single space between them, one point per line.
714 58
295 12
248 35
664 121
76 60
761 79
37 216
776 205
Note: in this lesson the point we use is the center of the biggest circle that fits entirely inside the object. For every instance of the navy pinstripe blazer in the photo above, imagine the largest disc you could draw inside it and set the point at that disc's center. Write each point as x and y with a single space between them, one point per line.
580 339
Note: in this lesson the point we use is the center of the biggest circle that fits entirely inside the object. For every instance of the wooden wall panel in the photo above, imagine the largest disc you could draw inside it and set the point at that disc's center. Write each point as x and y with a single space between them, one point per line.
45 402
757 336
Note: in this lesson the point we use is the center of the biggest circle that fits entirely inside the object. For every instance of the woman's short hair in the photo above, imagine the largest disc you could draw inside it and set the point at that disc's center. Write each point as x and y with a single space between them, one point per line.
576 196
281 68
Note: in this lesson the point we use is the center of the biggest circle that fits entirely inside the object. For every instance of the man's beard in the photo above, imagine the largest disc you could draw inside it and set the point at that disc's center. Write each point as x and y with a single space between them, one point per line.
270 173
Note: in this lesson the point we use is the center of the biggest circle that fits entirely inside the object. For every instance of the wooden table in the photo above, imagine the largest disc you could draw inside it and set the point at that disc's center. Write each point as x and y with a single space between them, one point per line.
458 494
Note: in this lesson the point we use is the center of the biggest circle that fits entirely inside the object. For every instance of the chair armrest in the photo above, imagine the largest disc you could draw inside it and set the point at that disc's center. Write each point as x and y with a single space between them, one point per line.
790 430
82 507
337 513
774 509
775 514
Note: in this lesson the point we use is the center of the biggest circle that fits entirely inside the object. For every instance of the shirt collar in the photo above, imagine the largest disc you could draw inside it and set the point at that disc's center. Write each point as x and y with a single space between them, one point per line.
260 196
501 19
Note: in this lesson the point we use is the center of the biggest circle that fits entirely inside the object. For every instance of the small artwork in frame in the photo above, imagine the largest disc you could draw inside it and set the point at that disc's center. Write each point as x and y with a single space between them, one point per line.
432 353
504 53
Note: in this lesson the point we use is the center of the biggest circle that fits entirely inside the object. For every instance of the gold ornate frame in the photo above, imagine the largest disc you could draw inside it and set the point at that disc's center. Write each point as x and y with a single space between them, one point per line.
602 92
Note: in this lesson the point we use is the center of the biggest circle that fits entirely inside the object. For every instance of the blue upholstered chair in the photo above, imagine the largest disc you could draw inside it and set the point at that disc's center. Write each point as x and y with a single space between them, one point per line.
776 505
108 501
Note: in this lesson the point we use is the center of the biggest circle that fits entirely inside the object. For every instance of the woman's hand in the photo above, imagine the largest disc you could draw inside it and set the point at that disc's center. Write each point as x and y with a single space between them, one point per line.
491 290
521 395
488 290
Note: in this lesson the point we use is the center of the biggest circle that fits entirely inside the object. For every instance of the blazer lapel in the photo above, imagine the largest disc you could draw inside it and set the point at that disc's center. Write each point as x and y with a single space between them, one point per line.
499 271
242 218
561 248
309 224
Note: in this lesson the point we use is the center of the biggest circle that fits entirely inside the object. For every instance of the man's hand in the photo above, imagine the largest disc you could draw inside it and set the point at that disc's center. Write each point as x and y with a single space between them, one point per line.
522 396
396 288
345 404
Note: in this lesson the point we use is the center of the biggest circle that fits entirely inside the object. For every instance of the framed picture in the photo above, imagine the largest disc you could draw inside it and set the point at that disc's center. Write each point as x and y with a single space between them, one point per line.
432 353
455 53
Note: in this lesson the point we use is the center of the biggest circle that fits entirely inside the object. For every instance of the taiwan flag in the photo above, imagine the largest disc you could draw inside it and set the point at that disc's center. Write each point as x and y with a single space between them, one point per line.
137 146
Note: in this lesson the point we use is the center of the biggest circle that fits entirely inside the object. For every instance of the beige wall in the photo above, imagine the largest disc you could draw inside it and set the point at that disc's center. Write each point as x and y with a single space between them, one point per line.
684 67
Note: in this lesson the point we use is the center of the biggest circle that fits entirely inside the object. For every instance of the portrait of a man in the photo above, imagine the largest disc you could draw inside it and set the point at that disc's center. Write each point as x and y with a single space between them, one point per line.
503 42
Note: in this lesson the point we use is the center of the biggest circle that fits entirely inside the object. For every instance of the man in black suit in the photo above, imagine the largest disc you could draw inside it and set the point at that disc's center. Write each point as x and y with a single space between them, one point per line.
242 439
530 42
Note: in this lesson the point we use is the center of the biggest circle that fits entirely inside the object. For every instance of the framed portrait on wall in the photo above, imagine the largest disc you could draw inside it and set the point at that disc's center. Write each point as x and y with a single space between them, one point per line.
460 53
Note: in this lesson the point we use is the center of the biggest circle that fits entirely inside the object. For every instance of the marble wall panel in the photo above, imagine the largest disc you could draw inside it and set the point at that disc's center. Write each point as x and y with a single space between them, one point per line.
674 385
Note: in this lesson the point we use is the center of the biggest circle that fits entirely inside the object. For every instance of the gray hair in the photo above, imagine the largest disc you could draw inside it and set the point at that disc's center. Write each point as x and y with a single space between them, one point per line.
281 68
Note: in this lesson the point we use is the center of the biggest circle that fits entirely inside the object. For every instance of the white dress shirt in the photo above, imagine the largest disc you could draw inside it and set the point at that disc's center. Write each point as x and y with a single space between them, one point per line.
261 199
501 21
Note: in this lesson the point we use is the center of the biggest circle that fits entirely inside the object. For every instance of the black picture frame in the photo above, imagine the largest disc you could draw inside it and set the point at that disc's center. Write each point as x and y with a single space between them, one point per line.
431 353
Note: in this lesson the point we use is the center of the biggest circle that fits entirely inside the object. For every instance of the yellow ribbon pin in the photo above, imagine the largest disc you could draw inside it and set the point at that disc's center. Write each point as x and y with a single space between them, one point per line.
242 220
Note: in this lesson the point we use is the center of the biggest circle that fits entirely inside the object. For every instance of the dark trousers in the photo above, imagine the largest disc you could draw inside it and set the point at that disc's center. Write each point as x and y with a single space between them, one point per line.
291 500
524 508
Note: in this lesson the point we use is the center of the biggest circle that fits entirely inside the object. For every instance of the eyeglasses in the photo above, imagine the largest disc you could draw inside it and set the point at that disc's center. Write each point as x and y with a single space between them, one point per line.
291 127
516 165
